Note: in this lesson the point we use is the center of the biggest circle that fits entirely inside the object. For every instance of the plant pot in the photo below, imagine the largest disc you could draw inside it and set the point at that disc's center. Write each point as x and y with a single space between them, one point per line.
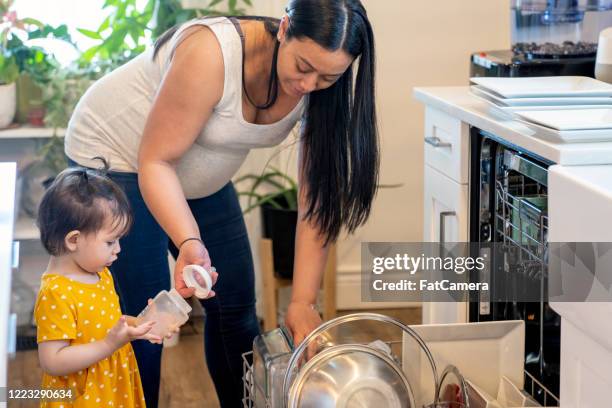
8 103
279 226
30 107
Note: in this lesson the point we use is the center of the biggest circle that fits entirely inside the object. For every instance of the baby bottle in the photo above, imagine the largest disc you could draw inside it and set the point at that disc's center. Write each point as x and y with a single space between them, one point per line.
168 310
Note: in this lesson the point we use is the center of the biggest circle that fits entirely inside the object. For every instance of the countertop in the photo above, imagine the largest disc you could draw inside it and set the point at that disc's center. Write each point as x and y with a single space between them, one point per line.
458 102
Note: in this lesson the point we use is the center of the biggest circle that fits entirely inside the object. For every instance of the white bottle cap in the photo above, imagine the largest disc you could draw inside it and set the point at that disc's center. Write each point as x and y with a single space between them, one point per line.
189 275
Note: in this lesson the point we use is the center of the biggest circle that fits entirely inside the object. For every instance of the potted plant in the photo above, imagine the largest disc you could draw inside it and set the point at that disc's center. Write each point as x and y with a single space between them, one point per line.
131 24
8 89
276 194
9 70
37 68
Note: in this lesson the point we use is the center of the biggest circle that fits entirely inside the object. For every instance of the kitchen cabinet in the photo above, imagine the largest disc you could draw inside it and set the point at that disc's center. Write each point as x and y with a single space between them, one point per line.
446 144
586 337
579 203
446 209
446 198
7 260
21 280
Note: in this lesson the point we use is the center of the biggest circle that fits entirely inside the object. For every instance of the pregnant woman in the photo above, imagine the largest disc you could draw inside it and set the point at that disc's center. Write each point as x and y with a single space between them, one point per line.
177 122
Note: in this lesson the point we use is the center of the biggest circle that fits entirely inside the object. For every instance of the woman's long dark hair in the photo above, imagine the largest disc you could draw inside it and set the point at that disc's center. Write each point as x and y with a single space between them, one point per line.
340 153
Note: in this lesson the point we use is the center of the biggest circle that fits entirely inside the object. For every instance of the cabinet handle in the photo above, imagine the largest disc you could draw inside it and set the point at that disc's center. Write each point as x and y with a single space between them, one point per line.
443 216
12 336
436 142
15 255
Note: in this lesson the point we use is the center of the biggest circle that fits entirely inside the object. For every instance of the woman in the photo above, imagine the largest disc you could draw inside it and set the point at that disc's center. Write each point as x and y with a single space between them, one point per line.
177 122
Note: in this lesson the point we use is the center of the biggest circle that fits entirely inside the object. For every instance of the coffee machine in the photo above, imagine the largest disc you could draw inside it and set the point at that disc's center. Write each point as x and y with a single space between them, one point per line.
549 38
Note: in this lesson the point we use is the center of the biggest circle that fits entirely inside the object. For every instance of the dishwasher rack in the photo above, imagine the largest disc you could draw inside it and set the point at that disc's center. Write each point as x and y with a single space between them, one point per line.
250 385
532 386
523 228
520 225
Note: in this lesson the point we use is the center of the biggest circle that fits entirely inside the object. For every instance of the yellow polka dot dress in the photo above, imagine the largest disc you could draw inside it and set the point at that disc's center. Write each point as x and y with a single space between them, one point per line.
81 313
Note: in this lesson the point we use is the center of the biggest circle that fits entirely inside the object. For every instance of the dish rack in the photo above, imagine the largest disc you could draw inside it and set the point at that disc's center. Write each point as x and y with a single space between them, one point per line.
523 228
532 386
248 391
535 388
521 225
248 399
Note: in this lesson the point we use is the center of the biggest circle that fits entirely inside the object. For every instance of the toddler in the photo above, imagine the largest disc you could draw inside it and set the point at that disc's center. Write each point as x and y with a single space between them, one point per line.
83 339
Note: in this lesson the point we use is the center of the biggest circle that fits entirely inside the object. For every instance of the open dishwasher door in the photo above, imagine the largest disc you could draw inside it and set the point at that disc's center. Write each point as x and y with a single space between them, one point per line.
580 210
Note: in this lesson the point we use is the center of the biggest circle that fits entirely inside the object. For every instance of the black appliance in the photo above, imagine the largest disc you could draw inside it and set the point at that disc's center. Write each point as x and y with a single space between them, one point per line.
508 63
508 206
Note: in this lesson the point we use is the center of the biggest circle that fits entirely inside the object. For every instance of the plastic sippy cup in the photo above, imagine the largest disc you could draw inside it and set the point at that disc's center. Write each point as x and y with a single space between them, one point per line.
199 278
168 310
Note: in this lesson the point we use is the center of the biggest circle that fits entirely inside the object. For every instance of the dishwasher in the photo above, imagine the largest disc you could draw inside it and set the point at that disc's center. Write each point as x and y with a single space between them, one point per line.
509 222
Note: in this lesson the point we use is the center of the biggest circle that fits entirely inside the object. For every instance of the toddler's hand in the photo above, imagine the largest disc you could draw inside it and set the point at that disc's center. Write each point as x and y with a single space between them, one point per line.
122 333
156 339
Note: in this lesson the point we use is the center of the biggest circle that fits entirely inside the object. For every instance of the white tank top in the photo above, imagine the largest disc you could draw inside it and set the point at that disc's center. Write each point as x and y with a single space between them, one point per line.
110 117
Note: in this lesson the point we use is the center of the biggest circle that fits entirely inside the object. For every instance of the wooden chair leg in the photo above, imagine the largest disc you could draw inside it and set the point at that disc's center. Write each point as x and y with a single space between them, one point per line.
269 286
329 285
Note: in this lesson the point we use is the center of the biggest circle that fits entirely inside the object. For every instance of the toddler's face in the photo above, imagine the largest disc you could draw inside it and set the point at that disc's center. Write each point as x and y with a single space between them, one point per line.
98 250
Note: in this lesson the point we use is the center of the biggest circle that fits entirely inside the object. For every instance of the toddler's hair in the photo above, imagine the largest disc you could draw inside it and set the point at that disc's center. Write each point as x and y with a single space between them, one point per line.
81 199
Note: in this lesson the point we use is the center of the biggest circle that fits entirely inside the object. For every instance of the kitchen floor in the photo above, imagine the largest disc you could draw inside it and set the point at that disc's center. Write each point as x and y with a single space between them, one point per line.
185 380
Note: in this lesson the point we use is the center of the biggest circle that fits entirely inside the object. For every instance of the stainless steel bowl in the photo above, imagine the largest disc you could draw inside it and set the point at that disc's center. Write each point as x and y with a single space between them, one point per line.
351 376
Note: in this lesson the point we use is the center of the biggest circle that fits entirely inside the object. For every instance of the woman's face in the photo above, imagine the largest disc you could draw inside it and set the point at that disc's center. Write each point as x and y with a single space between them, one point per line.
304 66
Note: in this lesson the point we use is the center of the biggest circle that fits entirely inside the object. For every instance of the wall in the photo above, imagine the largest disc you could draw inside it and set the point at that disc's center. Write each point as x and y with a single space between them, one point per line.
419 43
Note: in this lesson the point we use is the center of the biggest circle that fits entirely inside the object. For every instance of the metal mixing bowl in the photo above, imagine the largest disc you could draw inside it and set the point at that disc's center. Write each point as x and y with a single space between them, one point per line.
351 376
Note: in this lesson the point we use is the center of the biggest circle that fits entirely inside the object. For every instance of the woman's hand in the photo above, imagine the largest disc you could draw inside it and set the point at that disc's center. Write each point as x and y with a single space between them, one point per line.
301 320
122 333
192 252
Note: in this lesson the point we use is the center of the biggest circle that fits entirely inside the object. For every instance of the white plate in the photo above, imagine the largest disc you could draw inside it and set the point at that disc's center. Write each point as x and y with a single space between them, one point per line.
569 136
483 93
541 87
513 109
569 119
483 352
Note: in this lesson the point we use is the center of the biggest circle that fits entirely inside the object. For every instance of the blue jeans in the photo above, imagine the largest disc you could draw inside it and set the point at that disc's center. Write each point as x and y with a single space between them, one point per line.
142 270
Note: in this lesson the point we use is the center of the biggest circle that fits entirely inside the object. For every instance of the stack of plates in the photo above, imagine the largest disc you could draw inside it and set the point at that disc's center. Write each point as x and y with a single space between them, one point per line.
565 109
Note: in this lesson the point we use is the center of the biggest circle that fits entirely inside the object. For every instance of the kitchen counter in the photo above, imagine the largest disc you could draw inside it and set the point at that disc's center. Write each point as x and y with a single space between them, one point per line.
459 103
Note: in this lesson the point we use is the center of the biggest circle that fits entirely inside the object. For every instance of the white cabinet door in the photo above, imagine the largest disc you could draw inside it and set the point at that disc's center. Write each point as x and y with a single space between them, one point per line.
446 220
447 144
580 210
446 208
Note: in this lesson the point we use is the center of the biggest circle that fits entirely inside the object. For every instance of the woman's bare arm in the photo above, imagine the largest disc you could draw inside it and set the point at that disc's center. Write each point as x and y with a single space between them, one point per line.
188 93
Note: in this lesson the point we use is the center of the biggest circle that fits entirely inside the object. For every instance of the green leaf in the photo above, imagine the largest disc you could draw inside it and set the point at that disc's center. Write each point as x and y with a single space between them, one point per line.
232 5
249 194
213 3
114 42
248 2
89 33
32 21
105 24
61 31
268 199
274 178
90 53
9 71
291 198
